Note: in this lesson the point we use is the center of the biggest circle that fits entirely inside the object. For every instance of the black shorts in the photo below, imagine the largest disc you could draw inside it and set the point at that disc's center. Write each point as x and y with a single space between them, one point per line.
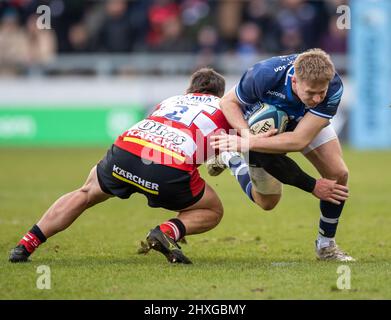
255 159
121 173
259 159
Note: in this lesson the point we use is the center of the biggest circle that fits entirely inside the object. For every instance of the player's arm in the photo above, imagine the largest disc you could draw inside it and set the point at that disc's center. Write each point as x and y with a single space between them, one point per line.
248 91
232 110
288 172
306 130
308 127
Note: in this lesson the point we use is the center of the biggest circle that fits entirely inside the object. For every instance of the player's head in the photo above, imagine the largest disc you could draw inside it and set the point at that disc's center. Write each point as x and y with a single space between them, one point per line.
313 72
206 80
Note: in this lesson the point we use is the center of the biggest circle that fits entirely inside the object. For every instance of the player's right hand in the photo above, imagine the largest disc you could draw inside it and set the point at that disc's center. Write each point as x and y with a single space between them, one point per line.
330 190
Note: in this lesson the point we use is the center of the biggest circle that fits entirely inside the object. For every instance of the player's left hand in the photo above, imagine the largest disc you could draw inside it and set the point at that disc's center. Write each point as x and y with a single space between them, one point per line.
227 142
330 191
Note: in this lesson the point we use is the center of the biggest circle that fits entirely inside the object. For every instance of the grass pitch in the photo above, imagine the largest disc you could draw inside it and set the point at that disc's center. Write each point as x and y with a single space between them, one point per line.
251 255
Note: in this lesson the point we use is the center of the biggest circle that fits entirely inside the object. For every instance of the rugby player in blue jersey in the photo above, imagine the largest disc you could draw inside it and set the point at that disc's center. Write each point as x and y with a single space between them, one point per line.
189 120
307 87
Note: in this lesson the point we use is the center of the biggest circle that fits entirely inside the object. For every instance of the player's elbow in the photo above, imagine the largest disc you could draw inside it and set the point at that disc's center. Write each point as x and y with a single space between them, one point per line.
298 144
301 146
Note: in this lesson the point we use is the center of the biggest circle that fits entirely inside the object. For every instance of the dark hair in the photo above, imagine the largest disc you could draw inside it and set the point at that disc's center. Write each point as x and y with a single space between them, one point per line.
206 80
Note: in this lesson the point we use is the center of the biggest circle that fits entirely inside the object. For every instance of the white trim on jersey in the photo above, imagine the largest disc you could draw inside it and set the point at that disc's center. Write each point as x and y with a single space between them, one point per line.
320 114
288 75
239 98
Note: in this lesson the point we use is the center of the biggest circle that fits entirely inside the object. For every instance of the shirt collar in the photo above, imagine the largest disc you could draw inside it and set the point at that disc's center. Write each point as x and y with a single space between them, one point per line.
288 83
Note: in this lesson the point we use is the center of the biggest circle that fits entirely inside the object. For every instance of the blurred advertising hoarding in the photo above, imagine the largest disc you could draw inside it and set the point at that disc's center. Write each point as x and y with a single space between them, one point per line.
370 72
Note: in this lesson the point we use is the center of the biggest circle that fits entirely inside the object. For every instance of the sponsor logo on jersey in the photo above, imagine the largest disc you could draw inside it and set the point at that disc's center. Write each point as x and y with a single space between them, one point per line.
277 94
288 57
161 130
162 135
283 67
177 132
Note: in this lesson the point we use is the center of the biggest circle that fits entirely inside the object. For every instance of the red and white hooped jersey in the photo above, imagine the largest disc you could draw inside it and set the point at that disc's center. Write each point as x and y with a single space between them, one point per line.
177 133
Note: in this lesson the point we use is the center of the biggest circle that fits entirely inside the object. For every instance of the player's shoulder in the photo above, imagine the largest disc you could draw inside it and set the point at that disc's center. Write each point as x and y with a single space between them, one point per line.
336 82
273 68
277 63
335 87
171 99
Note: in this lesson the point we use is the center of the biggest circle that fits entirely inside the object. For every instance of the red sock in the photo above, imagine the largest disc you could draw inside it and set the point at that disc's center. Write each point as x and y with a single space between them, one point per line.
170 229
30 242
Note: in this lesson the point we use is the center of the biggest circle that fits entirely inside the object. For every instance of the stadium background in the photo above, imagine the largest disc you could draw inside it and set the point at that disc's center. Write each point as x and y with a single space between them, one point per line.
104 64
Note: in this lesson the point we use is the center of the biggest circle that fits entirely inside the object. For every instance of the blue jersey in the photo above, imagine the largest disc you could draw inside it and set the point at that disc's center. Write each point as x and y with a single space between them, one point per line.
270 81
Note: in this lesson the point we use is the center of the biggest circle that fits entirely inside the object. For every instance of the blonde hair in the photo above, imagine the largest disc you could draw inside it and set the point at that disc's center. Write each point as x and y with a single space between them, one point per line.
314 65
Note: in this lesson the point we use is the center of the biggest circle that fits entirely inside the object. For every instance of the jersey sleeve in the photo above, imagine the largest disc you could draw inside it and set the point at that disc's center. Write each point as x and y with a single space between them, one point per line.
252 85
328 108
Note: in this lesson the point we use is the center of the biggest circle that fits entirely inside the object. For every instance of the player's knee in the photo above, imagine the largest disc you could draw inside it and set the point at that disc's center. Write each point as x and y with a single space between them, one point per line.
213 203
84 195
219 212
340 175
89 193
343 176
268 205
267 202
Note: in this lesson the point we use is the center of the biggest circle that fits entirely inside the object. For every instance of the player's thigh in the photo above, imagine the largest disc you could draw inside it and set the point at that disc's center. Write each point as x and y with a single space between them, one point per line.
327 159
209 200
325 135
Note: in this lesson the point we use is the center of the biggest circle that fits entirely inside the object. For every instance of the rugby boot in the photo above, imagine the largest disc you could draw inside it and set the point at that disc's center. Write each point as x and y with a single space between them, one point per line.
159 241
332 253
19 254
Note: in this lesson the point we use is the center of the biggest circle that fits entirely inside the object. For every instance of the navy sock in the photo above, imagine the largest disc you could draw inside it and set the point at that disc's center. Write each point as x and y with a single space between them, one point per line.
330 214
37 231
239 168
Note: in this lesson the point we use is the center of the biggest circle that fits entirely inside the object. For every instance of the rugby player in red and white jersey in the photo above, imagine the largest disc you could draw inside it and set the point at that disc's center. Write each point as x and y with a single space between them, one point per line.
157 157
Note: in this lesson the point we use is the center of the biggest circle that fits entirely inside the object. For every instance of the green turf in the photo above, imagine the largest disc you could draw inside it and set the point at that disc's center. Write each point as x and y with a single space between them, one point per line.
250 255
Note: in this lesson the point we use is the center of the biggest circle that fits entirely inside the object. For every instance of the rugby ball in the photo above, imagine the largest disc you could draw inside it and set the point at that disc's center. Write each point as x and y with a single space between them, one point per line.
266 118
